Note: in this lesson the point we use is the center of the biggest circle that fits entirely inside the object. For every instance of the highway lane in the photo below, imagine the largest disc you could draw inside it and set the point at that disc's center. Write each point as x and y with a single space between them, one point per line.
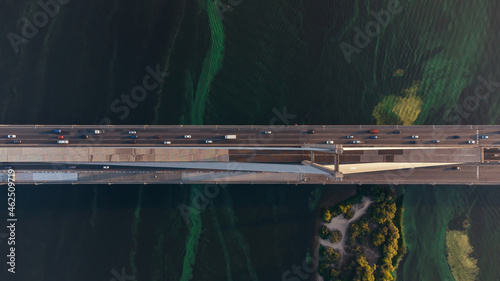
251 135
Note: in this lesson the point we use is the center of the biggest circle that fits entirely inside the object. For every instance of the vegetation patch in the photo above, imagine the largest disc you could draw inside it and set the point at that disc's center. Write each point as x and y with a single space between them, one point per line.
372 242
463 266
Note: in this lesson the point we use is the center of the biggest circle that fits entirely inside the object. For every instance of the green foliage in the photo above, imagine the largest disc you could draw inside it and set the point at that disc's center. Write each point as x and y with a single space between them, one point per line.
383 211
329 255
335 236
349 214
364 272
378 236
324 233
326 215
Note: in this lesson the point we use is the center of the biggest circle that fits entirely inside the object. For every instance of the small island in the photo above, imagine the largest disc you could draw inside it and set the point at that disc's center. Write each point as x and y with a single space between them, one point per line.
360 238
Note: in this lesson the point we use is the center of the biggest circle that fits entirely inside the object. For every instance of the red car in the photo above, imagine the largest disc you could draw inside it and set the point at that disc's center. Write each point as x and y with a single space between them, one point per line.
60 137
373 131
157 137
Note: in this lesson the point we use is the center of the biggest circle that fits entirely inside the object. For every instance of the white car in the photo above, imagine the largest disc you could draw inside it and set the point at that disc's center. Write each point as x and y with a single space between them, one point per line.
105 167
350 137
435 141
414 137
12 136
187 136
484 137
208 141
167 142
63 141
97 132
329 142
132 132
267 132
471 141
356 141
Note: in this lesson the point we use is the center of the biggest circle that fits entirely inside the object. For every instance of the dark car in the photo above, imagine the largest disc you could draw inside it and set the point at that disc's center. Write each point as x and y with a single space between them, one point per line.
457 168
373 137
413 142
311 132
158 137
133 141
85 136
133 136
456 137
397 132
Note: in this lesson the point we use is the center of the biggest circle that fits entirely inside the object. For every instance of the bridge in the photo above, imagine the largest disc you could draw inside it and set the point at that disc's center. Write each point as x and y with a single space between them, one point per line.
212 154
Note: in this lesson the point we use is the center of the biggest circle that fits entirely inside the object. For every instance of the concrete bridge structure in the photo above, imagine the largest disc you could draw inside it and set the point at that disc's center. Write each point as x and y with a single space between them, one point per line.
322 154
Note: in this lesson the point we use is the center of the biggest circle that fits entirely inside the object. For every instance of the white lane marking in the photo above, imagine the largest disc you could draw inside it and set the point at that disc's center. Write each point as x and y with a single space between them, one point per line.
477 172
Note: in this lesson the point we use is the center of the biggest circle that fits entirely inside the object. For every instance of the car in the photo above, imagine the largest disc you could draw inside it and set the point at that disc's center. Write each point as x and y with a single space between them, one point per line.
187 136
373 137
435 141
414 137
457 168
268 132
17 141
350 137
132 132
60 137
134 137
157 137
329 142
62 141
11 136
7 167
105 167
310 132
57 131
413 142
456 137
167 142
71 167
356 141
484 137
208 141
97 132
471 141
85 136
397 132
373 131
133 141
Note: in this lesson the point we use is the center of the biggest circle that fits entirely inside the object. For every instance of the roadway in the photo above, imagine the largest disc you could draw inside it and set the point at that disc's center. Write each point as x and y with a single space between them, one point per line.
248 136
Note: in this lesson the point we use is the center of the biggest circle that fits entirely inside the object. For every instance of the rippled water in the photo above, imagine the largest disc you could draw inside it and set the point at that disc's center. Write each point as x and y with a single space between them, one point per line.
264 57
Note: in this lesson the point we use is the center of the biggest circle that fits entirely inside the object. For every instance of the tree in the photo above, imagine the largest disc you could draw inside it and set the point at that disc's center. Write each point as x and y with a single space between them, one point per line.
335 236
324 233
326 216
329 255
349 214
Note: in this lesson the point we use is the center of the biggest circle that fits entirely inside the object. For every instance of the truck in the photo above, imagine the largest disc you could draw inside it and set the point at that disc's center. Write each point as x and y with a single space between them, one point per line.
230 137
